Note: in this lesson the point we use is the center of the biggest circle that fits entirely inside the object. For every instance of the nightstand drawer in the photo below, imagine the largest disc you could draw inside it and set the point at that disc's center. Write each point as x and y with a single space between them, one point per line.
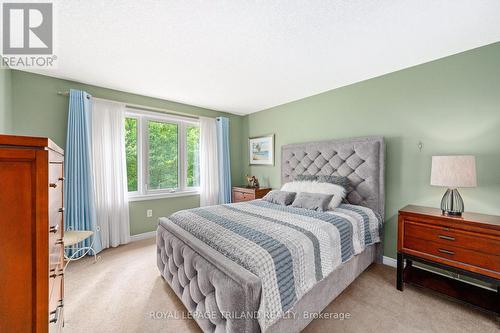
447 236
241 193
454 253
242 196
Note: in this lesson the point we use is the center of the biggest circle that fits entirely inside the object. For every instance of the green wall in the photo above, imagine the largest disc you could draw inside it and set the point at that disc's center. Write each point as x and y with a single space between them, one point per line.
5 100
38 110
451 105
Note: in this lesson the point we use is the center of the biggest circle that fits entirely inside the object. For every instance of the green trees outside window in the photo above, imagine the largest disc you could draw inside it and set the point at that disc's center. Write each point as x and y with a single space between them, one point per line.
163 166
131 152
193 156
162 143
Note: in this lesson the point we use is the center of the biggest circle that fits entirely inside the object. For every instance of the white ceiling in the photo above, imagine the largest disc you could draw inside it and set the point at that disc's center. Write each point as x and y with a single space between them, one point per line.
246 56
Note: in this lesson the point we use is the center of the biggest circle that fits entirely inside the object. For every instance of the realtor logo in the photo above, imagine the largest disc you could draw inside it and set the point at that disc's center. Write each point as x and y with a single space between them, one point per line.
27 28
27 35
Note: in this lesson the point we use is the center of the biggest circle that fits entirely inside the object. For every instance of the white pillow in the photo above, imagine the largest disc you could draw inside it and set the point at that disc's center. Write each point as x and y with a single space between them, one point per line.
337 191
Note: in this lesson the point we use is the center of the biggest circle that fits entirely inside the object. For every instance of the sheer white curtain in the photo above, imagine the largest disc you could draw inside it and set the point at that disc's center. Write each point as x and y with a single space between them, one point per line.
209 164
110 173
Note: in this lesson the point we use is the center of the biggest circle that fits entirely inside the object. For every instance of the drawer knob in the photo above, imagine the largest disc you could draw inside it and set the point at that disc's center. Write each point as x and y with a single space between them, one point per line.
446 251
61 209
60 178
53 229
59 241
447 237
54 185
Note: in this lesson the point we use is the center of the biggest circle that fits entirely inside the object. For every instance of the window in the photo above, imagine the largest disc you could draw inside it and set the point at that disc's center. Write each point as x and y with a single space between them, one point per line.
193 155
162 154
131 153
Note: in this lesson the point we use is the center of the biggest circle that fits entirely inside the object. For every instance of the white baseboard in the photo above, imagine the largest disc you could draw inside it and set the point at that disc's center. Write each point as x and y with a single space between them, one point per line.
389 261
142 236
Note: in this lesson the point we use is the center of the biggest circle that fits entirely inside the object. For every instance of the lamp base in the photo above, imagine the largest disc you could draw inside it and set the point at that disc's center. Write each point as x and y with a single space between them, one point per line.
456 214
452 203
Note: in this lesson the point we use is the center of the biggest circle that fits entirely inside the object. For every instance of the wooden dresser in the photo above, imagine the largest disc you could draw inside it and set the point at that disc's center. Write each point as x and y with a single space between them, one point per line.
468 245
243 193
31 235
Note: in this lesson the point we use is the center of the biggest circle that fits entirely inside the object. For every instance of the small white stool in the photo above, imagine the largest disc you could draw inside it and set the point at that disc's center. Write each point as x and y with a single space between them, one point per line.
73 237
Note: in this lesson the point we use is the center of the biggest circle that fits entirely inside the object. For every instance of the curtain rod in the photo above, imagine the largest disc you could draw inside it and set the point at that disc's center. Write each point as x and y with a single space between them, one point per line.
141 107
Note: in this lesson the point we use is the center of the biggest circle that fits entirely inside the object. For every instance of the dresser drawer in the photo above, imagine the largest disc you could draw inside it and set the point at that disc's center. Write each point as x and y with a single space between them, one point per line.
55 157
57 327
56 248
56 211
55 194
56 254
56 175
448 236
242 196
56 304
454 253
55 272
56 228
55 276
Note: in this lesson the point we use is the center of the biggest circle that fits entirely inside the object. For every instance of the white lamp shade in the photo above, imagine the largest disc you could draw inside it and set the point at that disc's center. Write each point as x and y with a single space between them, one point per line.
454 171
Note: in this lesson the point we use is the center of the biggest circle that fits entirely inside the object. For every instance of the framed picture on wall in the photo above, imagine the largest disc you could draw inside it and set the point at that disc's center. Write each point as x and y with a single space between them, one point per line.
261 150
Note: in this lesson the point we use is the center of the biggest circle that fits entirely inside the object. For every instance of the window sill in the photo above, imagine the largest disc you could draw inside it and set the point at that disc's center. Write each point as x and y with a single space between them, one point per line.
144 197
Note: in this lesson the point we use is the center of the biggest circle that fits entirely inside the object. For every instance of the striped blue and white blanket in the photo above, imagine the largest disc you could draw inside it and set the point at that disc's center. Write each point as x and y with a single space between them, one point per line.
289 249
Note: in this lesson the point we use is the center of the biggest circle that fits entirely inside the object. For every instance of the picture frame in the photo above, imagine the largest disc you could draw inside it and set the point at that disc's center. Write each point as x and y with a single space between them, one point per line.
261 150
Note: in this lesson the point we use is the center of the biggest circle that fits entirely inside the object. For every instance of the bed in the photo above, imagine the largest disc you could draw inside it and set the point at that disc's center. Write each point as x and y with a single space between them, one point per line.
260 267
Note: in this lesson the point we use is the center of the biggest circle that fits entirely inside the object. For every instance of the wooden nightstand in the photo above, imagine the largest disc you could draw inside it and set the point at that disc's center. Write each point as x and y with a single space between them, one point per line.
243 193
467 245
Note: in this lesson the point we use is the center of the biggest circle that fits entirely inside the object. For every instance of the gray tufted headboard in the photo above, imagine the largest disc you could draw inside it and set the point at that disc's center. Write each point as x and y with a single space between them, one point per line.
359 159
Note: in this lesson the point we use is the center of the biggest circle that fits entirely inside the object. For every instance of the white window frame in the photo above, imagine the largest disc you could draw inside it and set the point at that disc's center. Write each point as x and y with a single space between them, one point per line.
143 192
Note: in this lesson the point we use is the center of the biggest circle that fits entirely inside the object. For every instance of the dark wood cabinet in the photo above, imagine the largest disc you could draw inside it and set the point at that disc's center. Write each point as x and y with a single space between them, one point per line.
31 235
468 245
243 193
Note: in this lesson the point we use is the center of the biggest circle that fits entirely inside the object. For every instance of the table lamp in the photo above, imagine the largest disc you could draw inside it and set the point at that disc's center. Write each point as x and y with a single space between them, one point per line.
453 172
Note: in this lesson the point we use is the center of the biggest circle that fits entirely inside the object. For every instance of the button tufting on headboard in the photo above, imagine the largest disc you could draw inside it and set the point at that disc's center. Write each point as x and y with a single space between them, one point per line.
359 159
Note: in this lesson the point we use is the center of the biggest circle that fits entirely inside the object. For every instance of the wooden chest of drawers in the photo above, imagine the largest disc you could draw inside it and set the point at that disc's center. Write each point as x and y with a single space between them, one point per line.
242 193
467 245
31 234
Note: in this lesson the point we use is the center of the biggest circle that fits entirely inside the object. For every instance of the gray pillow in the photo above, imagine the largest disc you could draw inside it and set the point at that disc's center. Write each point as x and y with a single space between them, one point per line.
308 178
313 201
283 198
338 180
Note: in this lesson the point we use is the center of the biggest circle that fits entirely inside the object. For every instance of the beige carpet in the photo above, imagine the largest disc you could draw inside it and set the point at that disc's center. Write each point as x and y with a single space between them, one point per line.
119 293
